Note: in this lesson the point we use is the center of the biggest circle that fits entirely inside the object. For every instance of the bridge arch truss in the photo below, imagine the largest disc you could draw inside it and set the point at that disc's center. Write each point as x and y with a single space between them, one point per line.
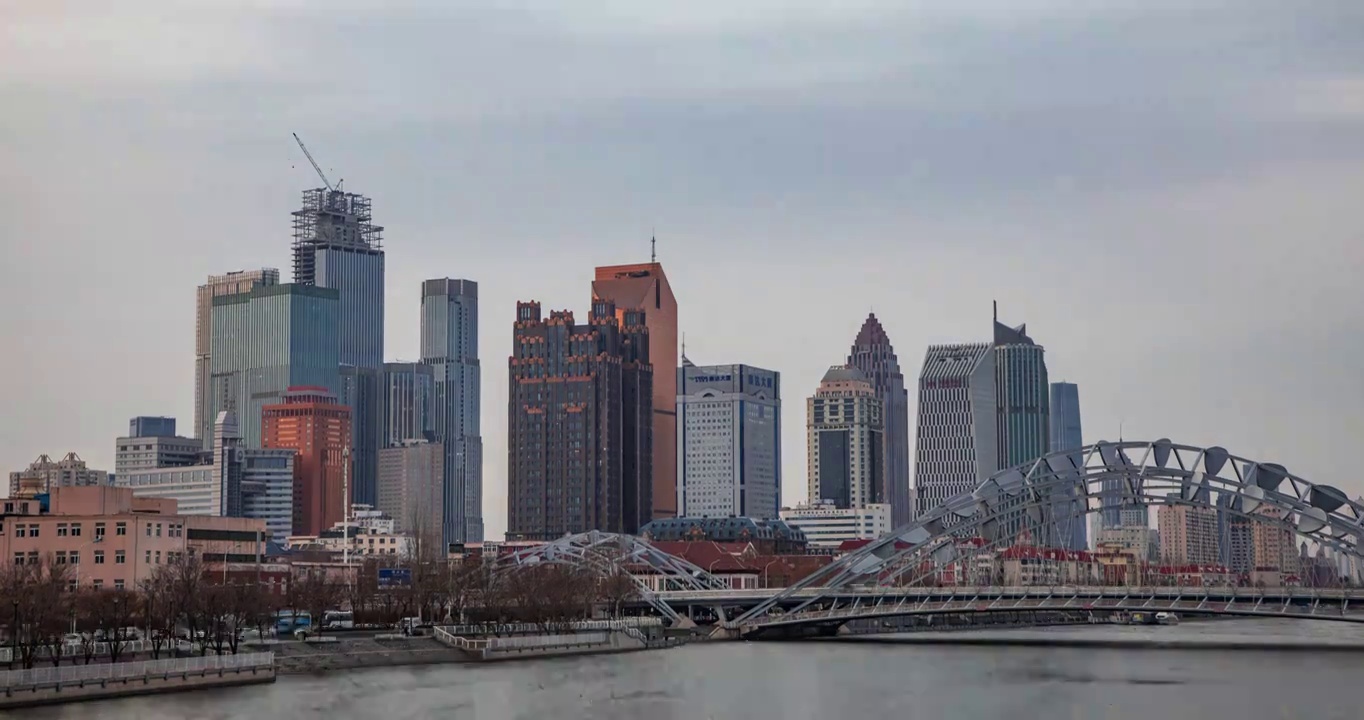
1065 487
609 554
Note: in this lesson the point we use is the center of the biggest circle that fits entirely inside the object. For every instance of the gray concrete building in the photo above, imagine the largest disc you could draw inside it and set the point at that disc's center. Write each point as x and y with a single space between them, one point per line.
233 283
728 441
449 345
70 471
146 453
266 341
412 488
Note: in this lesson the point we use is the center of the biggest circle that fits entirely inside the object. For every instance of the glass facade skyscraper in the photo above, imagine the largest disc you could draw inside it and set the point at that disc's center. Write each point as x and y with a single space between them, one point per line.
265 341
1066 435
449 345
337 245
873 355
409 402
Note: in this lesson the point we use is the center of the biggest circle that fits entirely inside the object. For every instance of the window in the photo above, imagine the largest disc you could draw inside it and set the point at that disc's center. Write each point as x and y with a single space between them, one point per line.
99 530
149 557
18 558
71 586
75 558
99 557
33 530
119 557
149 529
158 557
118 584
19 530
75 529
158 529
121 528
9 507
61 557
99 584
61 529
32 557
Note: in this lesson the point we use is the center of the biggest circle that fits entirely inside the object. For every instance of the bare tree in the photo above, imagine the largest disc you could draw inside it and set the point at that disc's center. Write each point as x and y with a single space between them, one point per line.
318 594
616 589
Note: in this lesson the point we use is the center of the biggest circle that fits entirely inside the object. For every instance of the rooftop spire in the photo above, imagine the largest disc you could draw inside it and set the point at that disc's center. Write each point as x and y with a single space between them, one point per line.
653 247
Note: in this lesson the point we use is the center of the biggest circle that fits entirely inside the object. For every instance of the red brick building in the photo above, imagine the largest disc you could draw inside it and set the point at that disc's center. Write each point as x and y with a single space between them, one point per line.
312 423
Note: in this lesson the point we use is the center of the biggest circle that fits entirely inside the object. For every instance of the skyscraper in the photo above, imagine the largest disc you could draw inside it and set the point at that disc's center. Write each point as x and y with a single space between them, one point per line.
264 342
844 426
579 423
409 403
1066 435
312 423
955 443
233 283
728 441
645 287
449 345
873 354
412 489
337 245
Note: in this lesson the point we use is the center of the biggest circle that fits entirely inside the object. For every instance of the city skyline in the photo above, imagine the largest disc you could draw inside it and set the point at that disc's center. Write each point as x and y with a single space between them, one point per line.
1229 176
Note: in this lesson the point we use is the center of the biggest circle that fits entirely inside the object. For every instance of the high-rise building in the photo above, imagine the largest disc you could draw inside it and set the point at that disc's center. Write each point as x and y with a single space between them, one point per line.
233 283
955 443
873 354
729 441
1066 436
266 341
412 489
579 423
645 287
312 423
409 402
46 473
337 245
844 426
1235 540
1023 431
1188 535
149 426
449 345
1272 541
146 453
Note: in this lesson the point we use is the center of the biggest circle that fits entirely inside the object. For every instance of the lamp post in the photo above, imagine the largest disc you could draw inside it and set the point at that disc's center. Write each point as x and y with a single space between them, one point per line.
92 541
14 636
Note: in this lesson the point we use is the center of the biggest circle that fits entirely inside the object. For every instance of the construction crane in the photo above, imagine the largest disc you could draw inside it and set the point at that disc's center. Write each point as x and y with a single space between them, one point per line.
325 181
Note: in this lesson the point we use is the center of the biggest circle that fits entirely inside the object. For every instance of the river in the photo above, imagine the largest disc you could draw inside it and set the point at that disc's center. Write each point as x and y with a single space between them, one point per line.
822 679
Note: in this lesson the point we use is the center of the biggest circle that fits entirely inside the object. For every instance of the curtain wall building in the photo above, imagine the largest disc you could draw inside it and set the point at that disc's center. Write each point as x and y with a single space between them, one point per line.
844 427
1066 435
580 423
337 245
233 283
644 287
728 441
409 403
873 354
955 440
449 346
268 340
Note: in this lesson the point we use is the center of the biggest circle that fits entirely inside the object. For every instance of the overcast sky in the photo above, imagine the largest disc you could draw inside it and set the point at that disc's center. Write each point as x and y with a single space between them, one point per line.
1172 199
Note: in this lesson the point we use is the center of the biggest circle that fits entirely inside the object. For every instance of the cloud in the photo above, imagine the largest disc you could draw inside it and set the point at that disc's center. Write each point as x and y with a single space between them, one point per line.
1164 192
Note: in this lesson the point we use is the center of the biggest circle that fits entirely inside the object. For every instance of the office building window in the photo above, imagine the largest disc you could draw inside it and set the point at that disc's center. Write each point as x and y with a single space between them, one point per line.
99 557
121 528
119 557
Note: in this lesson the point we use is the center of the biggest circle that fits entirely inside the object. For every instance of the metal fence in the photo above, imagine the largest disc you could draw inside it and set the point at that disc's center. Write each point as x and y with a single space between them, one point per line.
101 649
71 674
533 629
530 642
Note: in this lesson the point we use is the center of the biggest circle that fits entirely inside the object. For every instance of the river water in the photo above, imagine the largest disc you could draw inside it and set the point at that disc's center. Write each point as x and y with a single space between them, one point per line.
822 679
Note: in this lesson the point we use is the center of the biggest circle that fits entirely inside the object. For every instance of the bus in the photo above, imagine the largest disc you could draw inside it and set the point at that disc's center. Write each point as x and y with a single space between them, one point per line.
286 622
338 620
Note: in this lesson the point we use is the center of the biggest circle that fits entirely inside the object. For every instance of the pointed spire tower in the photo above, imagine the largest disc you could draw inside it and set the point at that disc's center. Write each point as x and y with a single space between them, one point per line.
873 354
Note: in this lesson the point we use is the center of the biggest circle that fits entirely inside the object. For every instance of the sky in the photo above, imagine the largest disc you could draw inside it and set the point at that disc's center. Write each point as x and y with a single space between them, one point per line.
1167 193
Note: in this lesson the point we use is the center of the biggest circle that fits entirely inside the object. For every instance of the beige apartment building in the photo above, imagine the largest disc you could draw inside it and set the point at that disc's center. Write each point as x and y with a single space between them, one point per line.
111 539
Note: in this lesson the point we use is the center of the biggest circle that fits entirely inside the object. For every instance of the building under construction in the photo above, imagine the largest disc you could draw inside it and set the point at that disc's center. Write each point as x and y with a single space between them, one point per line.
332 219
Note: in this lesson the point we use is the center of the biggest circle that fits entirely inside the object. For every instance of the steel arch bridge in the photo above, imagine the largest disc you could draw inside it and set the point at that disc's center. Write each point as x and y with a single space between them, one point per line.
1056 489
610 554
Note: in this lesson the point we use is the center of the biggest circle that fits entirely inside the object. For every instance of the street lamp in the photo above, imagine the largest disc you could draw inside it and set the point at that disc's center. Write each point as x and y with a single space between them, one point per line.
14 636
92 541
